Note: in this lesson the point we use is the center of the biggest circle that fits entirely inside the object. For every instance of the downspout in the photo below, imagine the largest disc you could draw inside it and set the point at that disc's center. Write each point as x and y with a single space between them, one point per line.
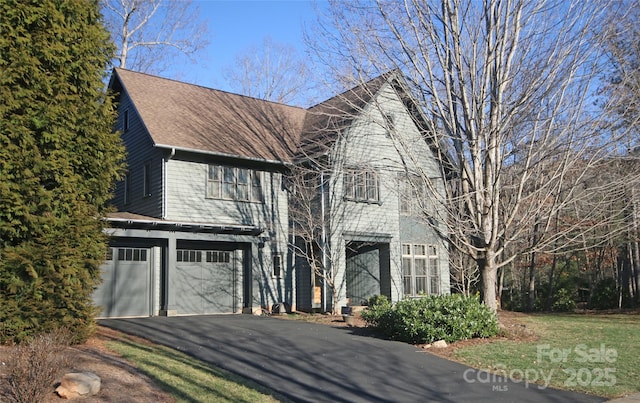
165 190
324 242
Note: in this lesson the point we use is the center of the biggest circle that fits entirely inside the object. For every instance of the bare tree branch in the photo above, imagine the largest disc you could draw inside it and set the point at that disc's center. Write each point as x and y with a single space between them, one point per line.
151 35
508 87
271 71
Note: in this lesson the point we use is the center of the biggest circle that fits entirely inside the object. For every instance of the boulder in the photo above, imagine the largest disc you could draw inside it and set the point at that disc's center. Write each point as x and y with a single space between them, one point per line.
440 344
78 385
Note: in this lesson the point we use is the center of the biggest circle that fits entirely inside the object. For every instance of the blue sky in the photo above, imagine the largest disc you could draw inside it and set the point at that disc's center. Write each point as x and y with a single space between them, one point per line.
236 25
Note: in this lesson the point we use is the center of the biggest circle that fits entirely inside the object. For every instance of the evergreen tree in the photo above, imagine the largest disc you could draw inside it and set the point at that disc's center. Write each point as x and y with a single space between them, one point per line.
58 162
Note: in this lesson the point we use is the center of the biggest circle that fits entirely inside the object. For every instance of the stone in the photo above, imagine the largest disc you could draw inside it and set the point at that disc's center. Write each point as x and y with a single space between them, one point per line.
440 344
349 319
76 385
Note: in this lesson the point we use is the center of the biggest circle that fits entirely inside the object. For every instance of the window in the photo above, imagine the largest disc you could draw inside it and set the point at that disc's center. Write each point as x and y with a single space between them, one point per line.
132 255
361 185
413 197
390 123
231 183
125 120
277 265
146 188
126 189
184 255
242 184
216 256
420 270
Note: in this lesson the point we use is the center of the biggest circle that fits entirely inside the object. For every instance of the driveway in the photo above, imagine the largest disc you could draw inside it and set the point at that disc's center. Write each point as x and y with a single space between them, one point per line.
309 362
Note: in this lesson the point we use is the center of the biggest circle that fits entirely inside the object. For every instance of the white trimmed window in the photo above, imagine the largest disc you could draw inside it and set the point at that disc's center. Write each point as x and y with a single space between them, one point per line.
231 183
361 185
413 197
420 273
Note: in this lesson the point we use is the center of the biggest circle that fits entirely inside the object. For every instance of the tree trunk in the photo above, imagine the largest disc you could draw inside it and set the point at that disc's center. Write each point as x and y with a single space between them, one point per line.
500 287
489 272
531 300
531 291
551 287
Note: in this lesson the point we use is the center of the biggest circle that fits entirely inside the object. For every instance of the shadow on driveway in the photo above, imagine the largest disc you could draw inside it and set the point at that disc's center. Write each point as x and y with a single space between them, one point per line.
309 362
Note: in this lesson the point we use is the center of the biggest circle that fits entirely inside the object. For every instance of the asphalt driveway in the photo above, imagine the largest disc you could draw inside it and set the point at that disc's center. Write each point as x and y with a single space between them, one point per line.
309 362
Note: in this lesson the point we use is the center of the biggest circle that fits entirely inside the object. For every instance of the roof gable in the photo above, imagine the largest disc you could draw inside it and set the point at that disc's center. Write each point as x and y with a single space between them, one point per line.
190 117
326 120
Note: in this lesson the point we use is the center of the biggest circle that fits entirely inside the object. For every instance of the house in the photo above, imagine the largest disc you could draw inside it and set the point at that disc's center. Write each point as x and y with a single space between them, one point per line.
203 220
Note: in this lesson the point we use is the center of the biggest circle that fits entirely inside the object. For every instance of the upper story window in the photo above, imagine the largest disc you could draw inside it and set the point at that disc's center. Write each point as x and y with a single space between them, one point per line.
390 123
361 185
146 180
125 120
231 183
413 196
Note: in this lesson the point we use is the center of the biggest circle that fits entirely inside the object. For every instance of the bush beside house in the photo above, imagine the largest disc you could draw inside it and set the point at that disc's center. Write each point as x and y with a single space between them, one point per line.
438 317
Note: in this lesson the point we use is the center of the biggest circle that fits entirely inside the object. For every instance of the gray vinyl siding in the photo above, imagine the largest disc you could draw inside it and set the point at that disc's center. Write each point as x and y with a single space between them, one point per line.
186 183
367 143
140 151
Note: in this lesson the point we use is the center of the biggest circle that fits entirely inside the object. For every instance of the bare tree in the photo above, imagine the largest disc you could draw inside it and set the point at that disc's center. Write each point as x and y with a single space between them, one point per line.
620 100
151 35
271 71
620 39
508 87
311 223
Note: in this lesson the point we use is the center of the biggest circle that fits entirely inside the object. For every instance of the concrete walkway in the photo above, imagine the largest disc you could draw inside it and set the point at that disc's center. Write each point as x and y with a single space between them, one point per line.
309 362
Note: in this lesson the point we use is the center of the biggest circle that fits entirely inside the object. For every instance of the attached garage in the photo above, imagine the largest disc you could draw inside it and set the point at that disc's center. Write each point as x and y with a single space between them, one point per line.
207 281
126 279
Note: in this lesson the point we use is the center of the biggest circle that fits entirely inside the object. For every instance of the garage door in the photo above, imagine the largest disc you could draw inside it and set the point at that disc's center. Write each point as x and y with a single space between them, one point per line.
206 282
125 287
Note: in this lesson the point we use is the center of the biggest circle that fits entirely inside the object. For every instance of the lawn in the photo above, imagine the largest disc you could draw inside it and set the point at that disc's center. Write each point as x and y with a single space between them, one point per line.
591 353
188 379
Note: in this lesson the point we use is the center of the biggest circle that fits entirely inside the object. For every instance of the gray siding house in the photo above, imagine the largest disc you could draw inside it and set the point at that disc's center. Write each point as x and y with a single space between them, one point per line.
203 214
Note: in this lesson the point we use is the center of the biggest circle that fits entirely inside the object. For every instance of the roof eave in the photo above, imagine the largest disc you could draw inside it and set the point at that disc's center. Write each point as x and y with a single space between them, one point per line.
224 155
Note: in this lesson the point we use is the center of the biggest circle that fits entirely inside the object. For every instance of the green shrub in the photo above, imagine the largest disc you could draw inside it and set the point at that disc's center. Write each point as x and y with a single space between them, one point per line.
424 320
605 295
563 301
378 305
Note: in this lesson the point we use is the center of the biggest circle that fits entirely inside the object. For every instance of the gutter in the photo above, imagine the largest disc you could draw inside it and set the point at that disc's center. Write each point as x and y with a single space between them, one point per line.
187 225
218 154
165 186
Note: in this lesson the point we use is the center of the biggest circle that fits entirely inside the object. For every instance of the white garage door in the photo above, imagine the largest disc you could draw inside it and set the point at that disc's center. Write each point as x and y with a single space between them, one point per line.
125 287
207 282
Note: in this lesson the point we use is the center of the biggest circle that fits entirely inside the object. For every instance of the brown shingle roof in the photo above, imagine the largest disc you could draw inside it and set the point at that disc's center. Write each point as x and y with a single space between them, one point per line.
188 116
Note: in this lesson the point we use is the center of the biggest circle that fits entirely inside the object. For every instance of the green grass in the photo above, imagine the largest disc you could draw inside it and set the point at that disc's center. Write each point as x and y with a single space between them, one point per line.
596 354
188 379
